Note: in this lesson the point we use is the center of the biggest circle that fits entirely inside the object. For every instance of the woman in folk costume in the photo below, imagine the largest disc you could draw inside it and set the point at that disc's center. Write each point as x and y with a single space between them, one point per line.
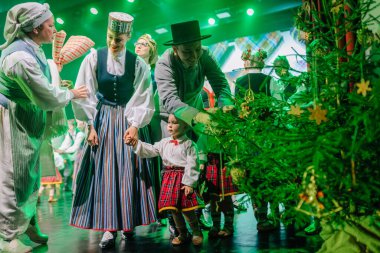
27 93
146 48
115 190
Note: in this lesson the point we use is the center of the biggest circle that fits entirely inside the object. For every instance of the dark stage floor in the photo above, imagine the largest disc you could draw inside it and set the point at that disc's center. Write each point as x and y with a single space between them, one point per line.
54 218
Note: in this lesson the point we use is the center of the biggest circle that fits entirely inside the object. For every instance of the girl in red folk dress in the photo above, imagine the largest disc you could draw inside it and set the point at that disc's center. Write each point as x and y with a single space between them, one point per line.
180 178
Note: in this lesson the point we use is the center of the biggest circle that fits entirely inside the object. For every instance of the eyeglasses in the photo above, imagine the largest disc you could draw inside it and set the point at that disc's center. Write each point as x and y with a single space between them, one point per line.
145 44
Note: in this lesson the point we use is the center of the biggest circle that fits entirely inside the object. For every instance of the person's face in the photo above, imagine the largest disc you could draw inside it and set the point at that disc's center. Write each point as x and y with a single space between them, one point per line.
189 54
46 31
116 41
176 128
142 49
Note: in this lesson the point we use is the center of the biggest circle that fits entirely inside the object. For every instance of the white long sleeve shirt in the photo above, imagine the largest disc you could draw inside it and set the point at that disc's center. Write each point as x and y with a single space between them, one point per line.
140 108
184 154
70 144
23 68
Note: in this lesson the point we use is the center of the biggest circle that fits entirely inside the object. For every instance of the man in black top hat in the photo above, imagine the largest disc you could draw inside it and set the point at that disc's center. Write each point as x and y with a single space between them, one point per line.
180 74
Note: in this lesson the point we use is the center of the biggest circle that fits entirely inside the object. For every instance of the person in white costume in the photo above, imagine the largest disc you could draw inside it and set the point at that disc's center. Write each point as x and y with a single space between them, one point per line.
26 92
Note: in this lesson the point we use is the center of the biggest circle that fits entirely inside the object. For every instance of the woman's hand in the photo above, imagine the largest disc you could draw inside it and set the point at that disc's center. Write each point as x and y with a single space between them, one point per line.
92 137
188 189
131 136
80 92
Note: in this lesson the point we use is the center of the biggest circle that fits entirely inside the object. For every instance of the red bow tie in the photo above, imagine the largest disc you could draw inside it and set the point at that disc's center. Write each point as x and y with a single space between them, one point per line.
175 142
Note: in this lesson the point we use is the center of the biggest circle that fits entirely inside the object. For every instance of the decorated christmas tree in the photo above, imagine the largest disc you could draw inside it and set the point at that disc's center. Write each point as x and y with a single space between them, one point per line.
318 152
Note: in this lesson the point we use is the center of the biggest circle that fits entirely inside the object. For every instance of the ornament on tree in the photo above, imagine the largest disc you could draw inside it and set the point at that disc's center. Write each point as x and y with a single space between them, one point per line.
365 36
245 109
304 36
295 110
337 7
313 197
363 87
317 114
237 174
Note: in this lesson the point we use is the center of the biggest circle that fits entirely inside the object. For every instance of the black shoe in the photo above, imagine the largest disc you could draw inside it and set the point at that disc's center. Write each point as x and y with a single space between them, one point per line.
127 235
108 240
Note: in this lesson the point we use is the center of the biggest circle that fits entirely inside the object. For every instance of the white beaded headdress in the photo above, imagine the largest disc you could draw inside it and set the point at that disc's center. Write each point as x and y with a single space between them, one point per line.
120 22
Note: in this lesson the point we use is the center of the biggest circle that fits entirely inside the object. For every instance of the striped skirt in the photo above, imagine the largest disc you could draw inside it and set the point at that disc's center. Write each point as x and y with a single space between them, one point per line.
21 131
171 195
114 187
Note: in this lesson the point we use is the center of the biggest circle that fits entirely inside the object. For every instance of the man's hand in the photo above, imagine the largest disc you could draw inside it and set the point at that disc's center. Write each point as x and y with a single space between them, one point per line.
212 110
203 118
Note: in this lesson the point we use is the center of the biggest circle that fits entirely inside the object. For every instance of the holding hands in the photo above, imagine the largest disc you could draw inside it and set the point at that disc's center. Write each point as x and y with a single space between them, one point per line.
131 136
92 137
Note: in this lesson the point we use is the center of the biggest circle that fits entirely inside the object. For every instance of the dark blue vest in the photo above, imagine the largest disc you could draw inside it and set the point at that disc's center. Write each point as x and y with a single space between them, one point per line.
113 89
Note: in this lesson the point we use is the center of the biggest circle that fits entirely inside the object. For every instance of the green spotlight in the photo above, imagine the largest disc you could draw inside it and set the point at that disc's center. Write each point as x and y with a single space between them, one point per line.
131 1
94 11
211 21
60 21
250 12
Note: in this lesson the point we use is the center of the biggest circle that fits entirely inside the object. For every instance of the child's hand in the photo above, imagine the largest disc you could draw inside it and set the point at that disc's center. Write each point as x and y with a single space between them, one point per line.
201 167
92 137
188 189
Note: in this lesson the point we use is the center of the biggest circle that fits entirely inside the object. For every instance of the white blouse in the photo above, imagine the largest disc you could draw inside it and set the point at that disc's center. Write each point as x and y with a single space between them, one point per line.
184 154
140 108
23 68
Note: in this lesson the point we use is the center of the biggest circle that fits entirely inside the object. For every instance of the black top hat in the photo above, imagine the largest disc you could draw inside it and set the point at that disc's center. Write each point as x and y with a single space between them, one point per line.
185 32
